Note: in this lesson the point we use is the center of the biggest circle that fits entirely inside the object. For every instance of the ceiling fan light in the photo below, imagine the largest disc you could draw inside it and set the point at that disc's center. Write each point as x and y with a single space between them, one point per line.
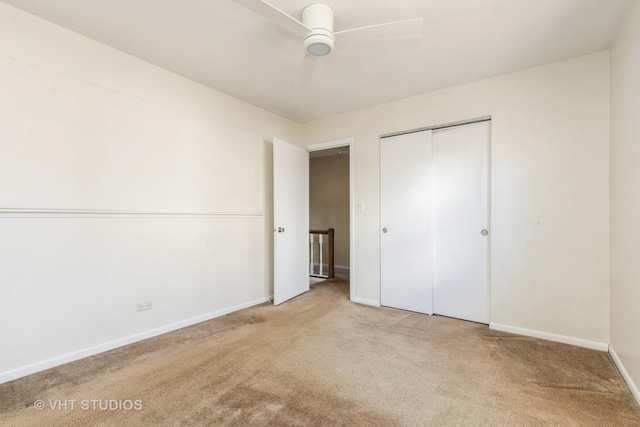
318 49
318 44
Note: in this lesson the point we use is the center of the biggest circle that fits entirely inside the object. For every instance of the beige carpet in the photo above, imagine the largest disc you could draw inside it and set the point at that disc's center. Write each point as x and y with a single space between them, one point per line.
321 360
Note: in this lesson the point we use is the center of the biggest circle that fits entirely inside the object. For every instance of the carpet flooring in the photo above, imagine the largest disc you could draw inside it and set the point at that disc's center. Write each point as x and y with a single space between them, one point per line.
321 360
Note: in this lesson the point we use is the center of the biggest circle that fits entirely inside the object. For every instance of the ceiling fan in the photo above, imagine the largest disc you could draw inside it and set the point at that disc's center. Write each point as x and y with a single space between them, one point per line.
318 38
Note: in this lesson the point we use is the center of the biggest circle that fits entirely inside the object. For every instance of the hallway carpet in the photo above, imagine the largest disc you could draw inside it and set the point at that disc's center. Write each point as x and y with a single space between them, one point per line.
321 360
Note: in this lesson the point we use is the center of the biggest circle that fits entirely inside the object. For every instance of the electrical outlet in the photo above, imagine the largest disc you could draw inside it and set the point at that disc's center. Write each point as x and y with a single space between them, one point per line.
147 305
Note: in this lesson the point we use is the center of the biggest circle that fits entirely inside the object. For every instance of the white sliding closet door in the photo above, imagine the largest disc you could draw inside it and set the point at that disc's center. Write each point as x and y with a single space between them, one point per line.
405 215
461 221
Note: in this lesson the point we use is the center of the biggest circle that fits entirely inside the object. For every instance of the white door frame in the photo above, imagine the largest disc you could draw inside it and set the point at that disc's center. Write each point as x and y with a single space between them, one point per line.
352 251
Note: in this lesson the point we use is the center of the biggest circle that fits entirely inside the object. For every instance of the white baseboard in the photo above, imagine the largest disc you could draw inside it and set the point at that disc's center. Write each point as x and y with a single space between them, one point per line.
550 337
625 374
366 301
100 348
341 267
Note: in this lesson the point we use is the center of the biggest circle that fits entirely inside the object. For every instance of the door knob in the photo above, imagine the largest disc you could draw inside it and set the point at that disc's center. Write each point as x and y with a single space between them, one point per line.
484 232
384 230
280 229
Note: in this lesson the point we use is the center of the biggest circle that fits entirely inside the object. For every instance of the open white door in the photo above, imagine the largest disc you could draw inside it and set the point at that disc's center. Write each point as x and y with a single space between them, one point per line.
291 221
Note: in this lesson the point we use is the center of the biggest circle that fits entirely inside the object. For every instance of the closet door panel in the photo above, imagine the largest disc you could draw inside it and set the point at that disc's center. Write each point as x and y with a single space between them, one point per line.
405 222
460 214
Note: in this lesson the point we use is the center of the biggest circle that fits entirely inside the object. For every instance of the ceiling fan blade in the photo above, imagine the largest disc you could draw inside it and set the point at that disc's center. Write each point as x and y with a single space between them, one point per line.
274 14
398 30
303 75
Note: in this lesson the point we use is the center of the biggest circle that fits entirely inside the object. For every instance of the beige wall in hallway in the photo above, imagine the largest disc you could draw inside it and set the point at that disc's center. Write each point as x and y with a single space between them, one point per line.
329 201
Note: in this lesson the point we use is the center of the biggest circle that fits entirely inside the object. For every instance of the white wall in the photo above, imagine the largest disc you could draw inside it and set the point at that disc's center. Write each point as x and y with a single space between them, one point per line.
625 196
549 191
75 117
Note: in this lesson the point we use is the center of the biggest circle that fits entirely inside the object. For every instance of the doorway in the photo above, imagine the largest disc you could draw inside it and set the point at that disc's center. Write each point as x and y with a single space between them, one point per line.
329 211
331 199
291 218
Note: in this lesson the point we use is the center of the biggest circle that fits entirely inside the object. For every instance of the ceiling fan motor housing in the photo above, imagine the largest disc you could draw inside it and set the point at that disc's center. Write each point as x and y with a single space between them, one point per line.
318 17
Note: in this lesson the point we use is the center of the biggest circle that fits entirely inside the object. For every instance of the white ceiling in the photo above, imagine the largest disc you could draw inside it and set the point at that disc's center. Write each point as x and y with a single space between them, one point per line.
229 48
